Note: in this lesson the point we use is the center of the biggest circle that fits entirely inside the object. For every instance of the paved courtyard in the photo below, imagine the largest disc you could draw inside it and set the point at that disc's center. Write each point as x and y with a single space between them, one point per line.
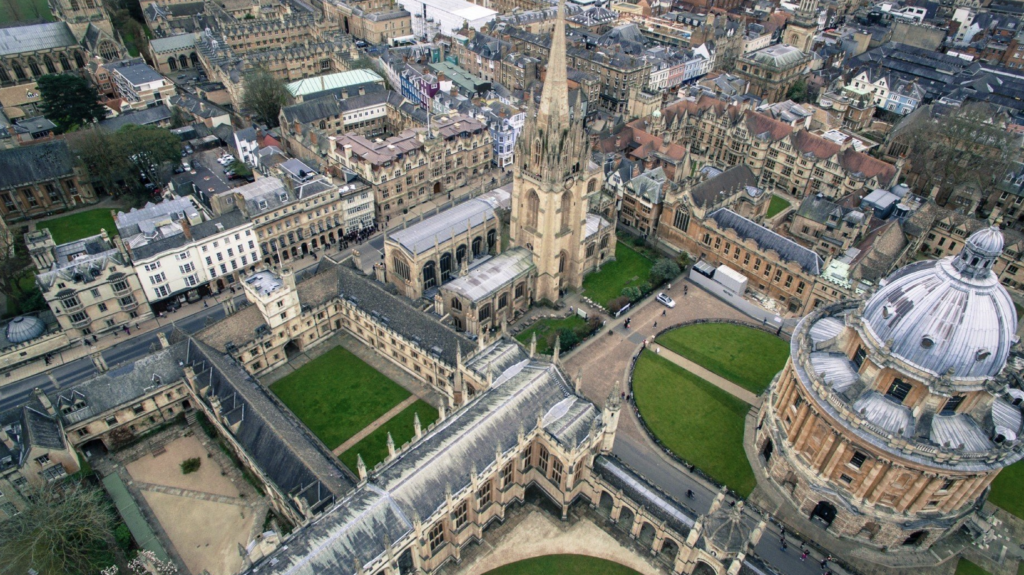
207 514
539 533
606 359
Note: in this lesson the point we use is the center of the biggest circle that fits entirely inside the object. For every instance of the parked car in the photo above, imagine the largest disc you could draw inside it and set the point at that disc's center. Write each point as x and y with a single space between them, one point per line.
361 44
664 299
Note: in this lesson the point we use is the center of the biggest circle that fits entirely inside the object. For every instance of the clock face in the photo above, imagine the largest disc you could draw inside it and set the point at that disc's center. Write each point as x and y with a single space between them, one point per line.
569 182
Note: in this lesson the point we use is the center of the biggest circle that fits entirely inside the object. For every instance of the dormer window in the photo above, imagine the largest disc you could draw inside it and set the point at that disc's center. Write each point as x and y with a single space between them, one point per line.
983 354
927 342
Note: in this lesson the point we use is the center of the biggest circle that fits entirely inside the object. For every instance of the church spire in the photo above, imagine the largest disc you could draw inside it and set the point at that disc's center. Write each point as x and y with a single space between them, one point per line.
554 98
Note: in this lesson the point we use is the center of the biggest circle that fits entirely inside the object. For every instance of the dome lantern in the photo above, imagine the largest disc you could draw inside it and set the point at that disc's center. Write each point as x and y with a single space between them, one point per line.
980 252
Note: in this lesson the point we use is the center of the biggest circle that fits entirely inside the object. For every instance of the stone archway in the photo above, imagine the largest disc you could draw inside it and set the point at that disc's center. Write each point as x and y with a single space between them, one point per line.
606 504
669 550
626 518
647 535
824 512
703 568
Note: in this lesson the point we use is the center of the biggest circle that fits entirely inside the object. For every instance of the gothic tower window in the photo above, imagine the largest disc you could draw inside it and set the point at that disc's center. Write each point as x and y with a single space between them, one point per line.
562 258
74 5
36 72
478 244
532 208
79 60
591 186
49 64
566 210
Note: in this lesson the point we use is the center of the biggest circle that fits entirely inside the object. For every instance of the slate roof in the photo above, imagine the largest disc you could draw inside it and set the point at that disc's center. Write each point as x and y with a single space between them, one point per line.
482 281
173 43
766 240
39 163
710 191
441 227
282 447
41 429
399 315
819 209
414 484
143 117
333 82
123 385
35 37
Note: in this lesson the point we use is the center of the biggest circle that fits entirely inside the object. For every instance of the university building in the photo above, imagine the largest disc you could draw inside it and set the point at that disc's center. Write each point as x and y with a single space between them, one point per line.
893 415
39 180
417 164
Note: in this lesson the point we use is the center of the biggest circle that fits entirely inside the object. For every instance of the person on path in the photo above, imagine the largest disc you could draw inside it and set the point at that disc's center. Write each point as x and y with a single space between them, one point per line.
783 548
803 556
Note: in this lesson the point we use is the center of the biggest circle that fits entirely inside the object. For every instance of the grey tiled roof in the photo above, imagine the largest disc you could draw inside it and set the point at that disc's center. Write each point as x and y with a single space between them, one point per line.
38 163
415 483
674 514
144 117
440 227
710 191
286 451
766 239
123 384
41 429
483 280
35 37
400 316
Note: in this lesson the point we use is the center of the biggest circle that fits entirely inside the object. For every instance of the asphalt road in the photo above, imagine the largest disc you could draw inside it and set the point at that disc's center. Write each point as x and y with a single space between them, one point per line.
675 482
131 349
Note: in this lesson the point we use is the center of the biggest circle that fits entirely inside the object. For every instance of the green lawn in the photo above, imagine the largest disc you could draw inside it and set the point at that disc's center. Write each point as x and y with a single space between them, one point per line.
630 268
337 394
374 447
965 567
696 420
777 205
1006 489
563 565
545 326
744 355
27 10
79 225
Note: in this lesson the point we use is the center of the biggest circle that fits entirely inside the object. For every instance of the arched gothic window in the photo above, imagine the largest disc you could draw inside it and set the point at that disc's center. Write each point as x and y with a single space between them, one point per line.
32 65
562 260
566 210
172 64
532 208
64 64
456 304
591 186
50 69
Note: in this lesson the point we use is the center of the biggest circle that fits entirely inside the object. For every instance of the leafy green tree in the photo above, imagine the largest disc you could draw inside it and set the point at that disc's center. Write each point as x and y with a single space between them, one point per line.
798 91
663 270
63 529
264 95
69 101
632 292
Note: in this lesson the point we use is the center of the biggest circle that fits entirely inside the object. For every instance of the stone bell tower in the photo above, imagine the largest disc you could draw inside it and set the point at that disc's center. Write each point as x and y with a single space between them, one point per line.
553 175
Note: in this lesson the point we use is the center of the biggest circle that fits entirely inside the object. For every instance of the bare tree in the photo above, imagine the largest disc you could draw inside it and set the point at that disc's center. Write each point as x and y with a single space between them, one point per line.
63 529
967 147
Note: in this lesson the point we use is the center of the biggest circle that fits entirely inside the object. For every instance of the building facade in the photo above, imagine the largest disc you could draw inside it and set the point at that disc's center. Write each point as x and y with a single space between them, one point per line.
553 185
39 180
89 284
417 164
893 414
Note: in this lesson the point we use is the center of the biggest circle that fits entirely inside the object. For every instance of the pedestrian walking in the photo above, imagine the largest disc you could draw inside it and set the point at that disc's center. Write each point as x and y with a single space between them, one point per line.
205 303
655 324
803 556
784 546
663 312
685 290
824 563
669 286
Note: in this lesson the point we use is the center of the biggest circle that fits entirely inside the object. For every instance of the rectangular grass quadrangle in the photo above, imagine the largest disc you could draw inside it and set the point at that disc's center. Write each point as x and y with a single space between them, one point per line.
374 447
79 225
337 394
630 268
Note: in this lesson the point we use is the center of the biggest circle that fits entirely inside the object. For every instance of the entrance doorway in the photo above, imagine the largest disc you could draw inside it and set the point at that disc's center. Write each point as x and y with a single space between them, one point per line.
767 450
824 512
437 188
291 349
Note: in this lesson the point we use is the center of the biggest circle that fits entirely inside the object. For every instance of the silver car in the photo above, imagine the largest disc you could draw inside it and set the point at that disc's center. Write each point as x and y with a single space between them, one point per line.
665 300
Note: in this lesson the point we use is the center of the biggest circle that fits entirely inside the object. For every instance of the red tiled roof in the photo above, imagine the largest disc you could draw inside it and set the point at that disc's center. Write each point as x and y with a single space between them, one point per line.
859 162
808 143
758 124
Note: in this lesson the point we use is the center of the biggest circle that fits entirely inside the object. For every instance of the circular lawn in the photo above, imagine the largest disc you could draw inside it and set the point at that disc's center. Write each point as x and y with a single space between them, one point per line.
563 565
746 356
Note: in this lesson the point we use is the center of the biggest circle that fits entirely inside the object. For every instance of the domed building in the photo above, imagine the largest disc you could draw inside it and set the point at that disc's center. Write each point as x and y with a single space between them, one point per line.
893 414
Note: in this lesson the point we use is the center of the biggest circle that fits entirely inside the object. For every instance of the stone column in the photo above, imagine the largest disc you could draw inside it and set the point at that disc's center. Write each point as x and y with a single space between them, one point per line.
961 494
875 492
837 457
912 493
797 429
819 459
876 467
925 495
